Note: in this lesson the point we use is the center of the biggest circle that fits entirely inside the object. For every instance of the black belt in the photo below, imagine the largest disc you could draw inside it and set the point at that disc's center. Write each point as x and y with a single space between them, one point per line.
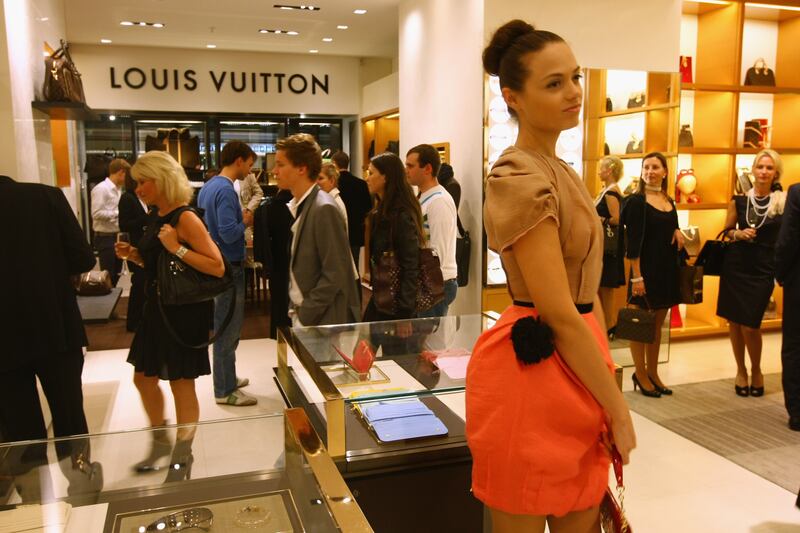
582 308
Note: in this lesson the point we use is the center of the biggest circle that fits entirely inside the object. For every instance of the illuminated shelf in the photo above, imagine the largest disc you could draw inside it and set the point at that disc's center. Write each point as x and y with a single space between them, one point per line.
700 206
756 89
634 110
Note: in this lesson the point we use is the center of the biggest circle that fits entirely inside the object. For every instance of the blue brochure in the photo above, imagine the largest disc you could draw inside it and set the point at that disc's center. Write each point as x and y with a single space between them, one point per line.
401 420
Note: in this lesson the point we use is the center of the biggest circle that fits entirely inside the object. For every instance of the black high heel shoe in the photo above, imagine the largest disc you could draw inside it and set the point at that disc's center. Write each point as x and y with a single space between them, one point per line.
665 391
742 391
650 393
756 391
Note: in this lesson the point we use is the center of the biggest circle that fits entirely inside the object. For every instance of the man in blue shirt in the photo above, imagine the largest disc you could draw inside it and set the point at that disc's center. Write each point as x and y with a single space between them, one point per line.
226 222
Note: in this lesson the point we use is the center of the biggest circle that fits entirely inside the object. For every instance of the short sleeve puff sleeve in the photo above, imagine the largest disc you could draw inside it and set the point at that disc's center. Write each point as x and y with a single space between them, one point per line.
519 195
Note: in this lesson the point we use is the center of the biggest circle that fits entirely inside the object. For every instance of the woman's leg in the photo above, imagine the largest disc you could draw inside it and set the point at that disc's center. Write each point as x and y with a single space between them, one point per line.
187 408
576 522
638 355
654 347
152 397
609 308
753 341
737 343
503 522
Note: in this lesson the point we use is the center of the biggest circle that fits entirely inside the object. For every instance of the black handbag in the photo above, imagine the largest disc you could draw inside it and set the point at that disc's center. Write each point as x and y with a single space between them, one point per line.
638 325
712 256
690 282
62 81
636 100
463 250
609 105
178 284
610 239
760 74
634 147
685 138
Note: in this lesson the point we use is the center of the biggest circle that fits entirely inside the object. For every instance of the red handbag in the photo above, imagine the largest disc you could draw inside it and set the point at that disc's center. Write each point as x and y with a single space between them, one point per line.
612 514
686 69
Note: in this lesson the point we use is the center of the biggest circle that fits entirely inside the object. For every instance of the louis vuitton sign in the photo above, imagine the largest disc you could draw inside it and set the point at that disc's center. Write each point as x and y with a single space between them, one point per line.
139 78
163 79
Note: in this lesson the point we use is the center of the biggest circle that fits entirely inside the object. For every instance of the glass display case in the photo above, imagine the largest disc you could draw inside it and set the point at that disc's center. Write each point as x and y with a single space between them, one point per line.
266 473
411 372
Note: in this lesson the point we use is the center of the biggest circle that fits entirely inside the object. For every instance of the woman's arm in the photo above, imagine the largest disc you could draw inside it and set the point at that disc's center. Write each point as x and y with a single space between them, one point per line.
406 244
612 202
203 255
634 231
546 279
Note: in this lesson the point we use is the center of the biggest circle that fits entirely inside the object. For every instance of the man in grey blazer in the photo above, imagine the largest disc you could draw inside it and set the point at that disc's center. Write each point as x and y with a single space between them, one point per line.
322 280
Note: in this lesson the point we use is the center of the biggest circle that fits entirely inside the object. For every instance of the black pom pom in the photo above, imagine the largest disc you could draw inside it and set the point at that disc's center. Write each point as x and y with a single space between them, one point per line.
532 340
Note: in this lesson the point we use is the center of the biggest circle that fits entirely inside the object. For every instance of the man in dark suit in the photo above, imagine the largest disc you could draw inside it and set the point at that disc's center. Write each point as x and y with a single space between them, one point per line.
40 323
357 202
787 272
322 277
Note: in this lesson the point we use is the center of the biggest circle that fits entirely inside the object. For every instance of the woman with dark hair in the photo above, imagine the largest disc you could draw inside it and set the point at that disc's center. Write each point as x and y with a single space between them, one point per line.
748 273
654 243
542 403
395 225
133 218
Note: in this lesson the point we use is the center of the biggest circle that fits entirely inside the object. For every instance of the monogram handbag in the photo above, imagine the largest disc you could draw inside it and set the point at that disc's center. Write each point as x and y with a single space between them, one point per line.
686 69
62 81
685 137
386 282
636 100
94 283
690 282
744 180
637 325
179 284
760 74
691 236
712 256
612 512
754 132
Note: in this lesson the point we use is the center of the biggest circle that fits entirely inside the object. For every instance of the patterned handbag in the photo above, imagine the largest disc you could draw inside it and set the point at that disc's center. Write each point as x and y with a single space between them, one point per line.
612 513
638 325
386 282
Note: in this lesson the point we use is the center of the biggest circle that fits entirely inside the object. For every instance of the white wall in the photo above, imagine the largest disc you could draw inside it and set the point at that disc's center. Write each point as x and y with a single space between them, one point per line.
618 34
380 96
441 100
96 61
28 25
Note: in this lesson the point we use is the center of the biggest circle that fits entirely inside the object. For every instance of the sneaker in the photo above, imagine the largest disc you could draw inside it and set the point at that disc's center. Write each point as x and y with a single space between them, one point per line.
237 398
242 382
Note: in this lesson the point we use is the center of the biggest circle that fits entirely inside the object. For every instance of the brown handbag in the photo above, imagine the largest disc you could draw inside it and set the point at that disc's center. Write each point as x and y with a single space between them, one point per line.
386 282
612 513
690 282
94 283
62 81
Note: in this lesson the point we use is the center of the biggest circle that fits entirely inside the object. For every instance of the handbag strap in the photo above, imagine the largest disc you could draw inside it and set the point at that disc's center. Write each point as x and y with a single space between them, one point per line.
616 461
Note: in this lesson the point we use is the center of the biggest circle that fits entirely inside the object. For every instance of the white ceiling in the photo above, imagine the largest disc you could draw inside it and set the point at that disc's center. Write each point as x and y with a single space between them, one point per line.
234 25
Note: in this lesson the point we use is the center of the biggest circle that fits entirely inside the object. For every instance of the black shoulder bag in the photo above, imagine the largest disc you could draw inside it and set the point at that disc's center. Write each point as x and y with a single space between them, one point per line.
180 284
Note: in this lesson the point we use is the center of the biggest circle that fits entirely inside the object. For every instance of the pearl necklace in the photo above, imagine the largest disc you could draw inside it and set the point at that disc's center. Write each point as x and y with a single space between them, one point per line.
652 188
760 211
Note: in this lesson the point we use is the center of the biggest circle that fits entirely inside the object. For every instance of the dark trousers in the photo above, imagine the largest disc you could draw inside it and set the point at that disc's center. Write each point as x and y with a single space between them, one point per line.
21 415
279 300
355 250
137 297
790 349
104 245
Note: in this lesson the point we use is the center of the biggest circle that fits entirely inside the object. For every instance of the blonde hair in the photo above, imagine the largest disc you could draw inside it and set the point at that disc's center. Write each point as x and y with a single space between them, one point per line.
778 199
330 171
615 164
167 174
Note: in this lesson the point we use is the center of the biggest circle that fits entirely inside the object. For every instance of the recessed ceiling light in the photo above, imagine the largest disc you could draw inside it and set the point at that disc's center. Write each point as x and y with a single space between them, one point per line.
341 27
44 19
360 11
112 117
126 23
211 46
158 25
105 41
292 33
327 39
313 51
143 24
279 32
295 7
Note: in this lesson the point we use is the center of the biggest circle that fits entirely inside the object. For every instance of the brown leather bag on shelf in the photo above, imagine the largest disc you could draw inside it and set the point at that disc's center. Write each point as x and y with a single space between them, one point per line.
62 81
94 283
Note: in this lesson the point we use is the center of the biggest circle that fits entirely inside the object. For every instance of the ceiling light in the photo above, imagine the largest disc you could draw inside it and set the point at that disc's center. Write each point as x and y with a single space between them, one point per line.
393 115
105 41
279 32
126 23
294 7
211 46
112 117
143 24
292 33
341 27
360 11
158 25
313 51
327 39
43 19
773 6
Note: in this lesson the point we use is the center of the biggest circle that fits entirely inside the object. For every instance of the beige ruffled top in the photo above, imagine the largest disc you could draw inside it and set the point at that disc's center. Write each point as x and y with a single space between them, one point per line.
524 189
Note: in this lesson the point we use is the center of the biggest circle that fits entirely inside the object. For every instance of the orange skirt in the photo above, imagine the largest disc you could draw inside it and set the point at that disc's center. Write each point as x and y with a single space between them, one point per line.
534 430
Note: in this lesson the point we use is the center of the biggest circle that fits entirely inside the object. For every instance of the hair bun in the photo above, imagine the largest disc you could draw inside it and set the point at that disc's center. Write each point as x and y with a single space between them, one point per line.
501 41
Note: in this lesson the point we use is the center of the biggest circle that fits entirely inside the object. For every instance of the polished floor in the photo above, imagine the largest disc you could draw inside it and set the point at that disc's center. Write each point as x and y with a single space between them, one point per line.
673 485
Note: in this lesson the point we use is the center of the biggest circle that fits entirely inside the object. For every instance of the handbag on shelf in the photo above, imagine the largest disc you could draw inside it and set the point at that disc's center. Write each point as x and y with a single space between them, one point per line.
612 512
634 147
177 283
744 180
62 81
685 137
712 256
691 236
636 100
94 283
686 69
386 280
609 105
760 74
754 133
606 149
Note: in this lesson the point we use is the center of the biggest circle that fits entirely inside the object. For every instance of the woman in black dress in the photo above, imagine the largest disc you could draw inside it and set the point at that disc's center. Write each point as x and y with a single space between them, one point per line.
154 353
748 273
608 205
133 219
653 245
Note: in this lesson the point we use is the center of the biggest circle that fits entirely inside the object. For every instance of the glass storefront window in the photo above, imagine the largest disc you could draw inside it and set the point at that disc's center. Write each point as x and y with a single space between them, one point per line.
112 137
185 140
262 136
327 132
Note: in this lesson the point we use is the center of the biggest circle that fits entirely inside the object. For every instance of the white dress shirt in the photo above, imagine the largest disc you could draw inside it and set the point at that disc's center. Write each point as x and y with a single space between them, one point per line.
105 207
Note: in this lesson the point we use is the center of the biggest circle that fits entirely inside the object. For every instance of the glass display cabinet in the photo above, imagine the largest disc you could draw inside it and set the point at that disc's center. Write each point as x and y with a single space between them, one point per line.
413 366
266 474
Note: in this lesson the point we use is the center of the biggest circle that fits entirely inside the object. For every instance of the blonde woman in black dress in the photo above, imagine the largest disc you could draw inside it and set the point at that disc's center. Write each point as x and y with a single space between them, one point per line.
608 205
748 273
